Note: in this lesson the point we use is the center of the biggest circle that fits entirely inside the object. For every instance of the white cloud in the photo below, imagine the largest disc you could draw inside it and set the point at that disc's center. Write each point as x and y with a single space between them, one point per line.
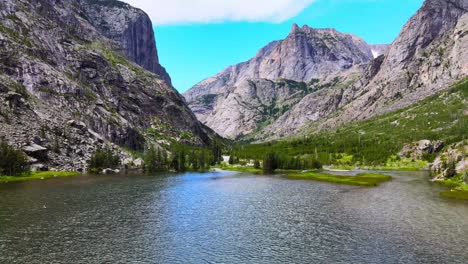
164 12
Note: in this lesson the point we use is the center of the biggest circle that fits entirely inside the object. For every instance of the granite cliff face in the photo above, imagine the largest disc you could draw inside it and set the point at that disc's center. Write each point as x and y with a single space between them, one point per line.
67 88
129 26
429 55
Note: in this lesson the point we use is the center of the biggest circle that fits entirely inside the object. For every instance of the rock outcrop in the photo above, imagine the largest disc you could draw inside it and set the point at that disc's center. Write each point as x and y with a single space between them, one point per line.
451 162
418 150
69 88
379 49
429 55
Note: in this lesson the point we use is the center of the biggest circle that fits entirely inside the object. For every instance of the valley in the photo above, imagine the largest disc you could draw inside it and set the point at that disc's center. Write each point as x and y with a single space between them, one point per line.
321 148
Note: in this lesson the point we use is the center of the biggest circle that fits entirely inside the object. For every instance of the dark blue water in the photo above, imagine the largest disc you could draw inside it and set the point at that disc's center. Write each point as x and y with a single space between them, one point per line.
225 217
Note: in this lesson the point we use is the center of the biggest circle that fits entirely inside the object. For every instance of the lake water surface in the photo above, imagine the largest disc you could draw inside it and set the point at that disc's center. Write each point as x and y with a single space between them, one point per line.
225 217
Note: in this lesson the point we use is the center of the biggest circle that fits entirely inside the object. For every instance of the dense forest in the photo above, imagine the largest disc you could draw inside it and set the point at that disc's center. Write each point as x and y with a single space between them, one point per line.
377 140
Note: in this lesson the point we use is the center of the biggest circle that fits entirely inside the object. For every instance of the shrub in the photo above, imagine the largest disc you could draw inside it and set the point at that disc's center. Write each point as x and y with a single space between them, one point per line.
12 162
315 164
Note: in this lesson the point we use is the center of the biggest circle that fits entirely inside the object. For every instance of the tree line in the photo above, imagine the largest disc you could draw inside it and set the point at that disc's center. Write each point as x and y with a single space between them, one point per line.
179 158
273 161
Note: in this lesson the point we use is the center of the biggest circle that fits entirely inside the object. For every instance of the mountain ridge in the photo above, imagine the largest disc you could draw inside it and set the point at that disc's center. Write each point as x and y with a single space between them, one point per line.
427 56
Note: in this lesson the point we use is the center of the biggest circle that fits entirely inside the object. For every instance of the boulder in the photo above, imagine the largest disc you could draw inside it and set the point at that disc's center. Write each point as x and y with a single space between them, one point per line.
110 171
138 162
77 124
36 151
39 167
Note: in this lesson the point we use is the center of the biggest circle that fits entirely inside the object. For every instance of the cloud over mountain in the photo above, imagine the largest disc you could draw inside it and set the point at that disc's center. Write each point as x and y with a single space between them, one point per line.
164 12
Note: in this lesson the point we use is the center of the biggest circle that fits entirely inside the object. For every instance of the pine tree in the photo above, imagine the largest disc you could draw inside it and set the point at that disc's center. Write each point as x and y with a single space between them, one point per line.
202 160
217 152
270 162
175 161
257 164
182 160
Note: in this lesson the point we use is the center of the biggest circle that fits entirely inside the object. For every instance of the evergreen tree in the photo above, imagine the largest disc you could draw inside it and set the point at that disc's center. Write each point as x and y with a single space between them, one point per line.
175 161
202 160
12 162
257 164
270 162
232 159
154 160
103 159
217 151
182 161
193 160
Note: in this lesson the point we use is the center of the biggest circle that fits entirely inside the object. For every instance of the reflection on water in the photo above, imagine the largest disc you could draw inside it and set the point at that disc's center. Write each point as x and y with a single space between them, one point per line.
225 217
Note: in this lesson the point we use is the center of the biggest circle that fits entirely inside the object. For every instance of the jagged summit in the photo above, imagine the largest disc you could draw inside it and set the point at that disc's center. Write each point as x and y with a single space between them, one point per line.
304 55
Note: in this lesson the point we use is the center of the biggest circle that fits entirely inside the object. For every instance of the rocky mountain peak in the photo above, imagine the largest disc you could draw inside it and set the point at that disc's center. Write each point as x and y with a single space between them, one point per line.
294 28
305 54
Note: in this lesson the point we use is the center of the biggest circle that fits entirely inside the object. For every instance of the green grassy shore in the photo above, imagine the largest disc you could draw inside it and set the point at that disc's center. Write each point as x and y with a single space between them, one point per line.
362 179
458 188
39 175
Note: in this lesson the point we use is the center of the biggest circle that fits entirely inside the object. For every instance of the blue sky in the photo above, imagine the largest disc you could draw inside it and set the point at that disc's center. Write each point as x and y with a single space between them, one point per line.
198 38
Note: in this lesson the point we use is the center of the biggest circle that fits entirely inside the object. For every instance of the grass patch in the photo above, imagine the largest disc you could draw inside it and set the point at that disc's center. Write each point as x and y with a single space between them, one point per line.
459 189
362 179
253 170
40 175
239 168
455 194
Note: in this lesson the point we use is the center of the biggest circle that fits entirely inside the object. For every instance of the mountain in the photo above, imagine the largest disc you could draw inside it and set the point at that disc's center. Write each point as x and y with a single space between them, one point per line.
346 84
76 75
305 54
237 100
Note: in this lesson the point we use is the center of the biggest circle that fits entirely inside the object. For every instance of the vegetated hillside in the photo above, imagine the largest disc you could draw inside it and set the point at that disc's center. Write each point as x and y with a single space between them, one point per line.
443 116
67 88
